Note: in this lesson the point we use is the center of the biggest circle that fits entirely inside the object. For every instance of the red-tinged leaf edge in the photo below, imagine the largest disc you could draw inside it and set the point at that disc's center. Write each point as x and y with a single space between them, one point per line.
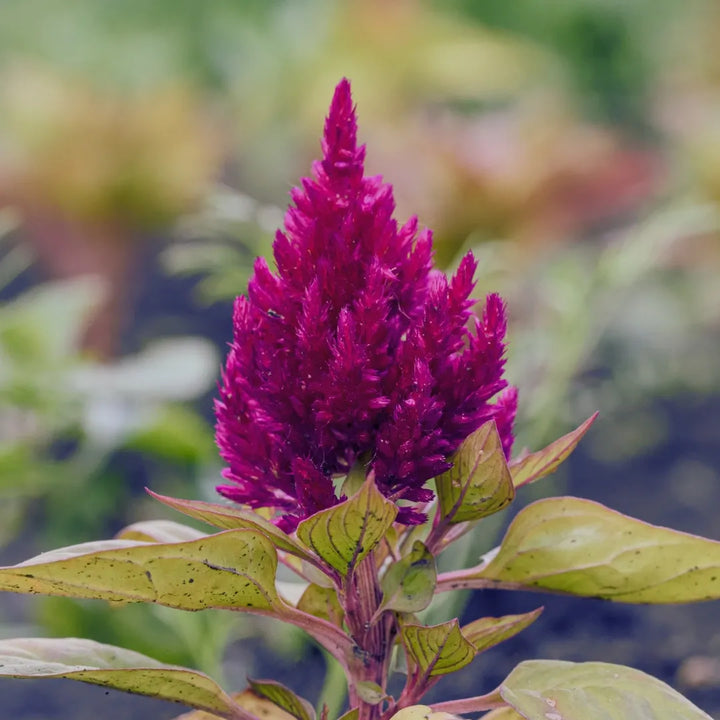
537 465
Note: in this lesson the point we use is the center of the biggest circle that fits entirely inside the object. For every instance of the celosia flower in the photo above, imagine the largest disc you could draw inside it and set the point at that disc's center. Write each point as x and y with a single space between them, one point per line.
354 350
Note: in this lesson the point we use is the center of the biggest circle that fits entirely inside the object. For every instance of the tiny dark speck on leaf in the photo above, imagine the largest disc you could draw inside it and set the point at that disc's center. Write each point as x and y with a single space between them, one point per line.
191 580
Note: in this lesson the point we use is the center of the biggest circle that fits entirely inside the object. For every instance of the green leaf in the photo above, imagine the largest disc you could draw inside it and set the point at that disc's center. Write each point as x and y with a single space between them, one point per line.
233 569
159 531
260 706
581 547
438 649
370 692
177 434
479 482
228 517
421 712
355 478
537 465
284 698
556 690
353 714
115 667
487 632
322 603
257 706
413 712
344 534
409 584
48 321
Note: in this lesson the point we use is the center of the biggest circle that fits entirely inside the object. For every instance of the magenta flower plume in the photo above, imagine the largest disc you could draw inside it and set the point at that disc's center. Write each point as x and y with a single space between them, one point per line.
354 350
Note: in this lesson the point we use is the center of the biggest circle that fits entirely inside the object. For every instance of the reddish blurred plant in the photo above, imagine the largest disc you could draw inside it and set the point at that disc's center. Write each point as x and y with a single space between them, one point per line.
92 171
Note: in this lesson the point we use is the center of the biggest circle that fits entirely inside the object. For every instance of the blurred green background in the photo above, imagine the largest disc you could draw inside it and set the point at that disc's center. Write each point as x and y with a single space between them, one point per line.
146 153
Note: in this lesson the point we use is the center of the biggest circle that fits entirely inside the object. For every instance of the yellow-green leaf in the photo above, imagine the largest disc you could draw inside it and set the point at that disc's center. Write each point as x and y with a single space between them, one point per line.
438 649
257 706
350 715
159 531
556 690
479 482
409 584
487 632
344 534
323 603
537 465
581 547
503 713
261 707
114 667
284 698
420 712
228 517
233 569
370 692
413 712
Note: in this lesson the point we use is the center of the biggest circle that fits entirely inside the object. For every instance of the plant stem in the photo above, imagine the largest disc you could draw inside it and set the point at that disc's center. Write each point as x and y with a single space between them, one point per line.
372 638
471 705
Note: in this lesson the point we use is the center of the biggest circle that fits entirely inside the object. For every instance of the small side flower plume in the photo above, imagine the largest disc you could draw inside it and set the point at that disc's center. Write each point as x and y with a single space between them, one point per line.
354 350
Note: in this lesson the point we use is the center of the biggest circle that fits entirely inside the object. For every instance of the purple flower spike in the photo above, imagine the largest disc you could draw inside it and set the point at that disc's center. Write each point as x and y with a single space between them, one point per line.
355 350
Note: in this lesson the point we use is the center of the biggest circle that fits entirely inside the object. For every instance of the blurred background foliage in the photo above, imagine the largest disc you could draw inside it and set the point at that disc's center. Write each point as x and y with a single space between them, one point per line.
146 153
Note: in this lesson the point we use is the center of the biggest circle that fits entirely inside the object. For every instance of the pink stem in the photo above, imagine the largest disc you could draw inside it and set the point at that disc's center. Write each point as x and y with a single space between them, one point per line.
372 636
491 701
